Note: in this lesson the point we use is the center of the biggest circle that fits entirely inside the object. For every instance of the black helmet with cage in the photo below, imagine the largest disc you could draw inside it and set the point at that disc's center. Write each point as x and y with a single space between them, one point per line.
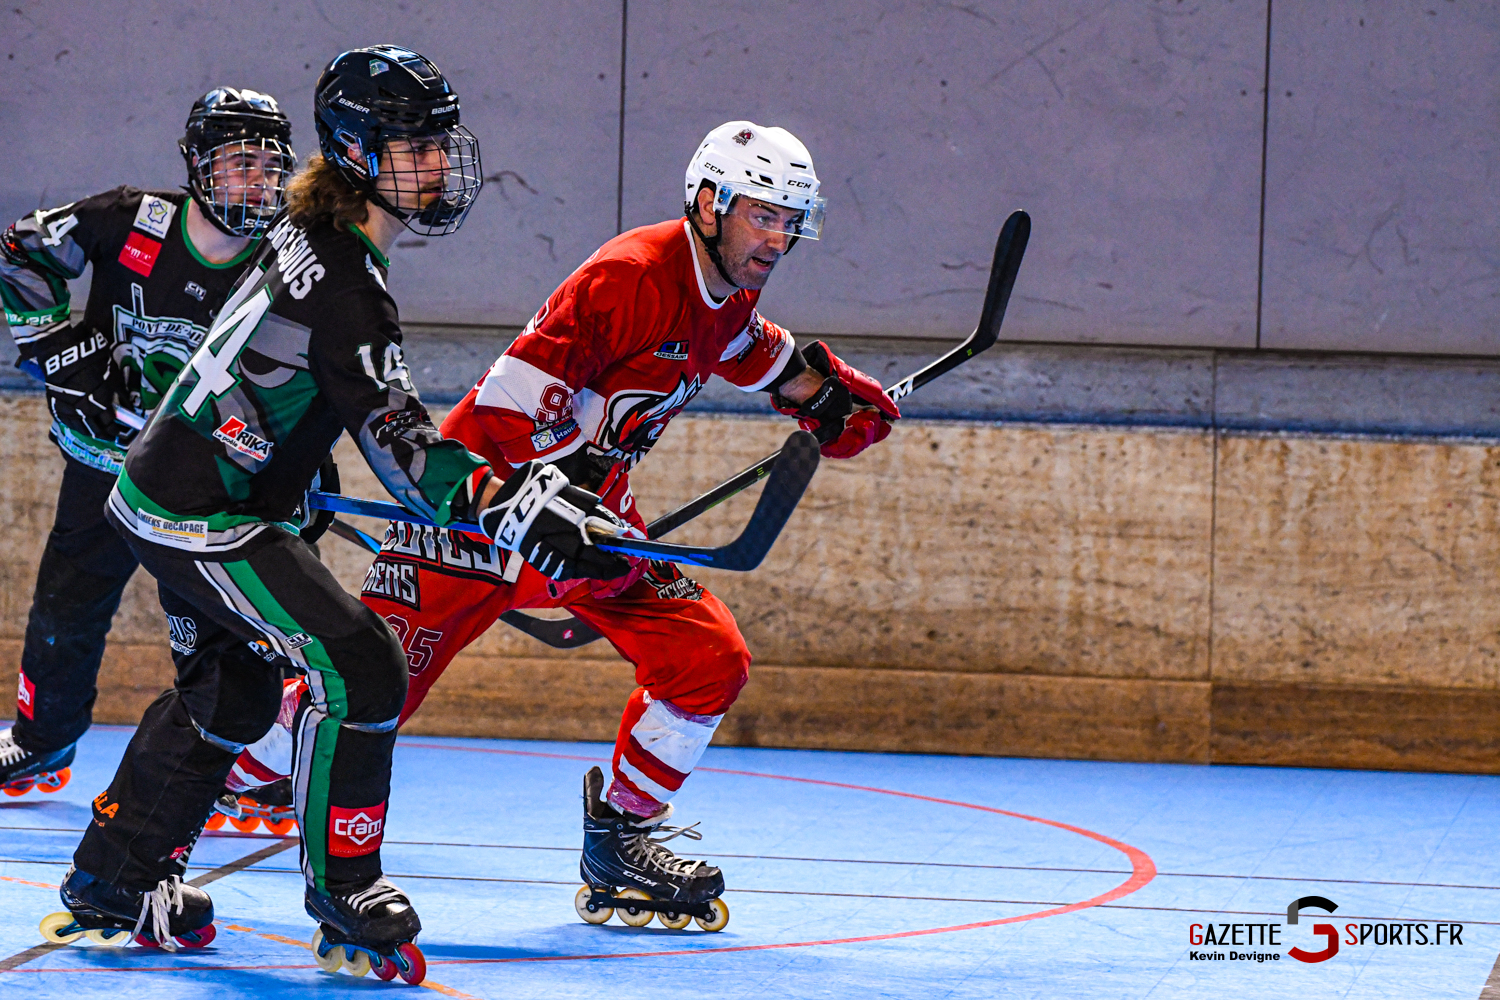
238 148
388 99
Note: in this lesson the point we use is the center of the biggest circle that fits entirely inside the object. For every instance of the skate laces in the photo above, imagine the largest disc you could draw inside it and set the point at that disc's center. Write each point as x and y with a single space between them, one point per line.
10 750
646 849
159 903
379 891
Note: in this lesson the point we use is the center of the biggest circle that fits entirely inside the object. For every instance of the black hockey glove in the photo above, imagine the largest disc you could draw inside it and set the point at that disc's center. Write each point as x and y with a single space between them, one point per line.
316 522
538 514
83 383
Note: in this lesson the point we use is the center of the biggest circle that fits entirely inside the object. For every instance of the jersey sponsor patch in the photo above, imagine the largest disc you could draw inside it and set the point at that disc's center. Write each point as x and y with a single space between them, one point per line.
234 433
139 253
299 640
353 833
154 216
178 533
673 350
183 633
196 290
553 435
25 696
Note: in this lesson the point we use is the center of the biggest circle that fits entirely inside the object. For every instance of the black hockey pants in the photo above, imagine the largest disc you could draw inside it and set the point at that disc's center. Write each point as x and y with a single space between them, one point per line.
226 697
84 569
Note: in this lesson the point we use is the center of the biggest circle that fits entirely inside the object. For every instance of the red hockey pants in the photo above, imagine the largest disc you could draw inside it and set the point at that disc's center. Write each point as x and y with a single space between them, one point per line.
441 590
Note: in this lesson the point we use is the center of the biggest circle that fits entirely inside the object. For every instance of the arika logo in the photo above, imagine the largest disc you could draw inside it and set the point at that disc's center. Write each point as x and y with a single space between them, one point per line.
1328 931
234 433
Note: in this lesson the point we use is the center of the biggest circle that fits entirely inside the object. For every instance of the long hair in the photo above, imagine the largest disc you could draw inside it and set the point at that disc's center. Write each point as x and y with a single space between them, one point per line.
319 192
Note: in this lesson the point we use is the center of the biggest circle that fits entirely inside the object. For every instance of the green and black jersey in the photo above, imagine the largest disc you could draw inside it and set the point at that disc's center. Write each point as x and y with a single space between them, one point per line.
307 346
153 295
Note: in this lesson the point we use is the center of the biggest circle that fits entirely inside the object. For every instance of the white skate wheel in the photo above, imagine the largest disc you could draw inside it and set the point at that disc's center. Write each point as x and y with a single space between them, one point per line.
110 935
581 904
333 960
720 918
633 916
674 921
356 961
52 923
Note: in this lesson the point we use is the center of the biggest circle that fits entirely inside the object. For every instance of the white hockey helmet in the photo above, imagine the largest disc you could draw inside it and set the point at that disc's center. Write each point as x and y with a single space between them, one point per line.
767 164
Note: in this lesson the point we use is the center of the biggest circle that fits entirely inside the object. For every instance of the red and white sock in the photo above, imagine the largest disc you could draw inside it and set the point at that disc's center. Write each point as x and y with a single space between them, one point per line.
658 747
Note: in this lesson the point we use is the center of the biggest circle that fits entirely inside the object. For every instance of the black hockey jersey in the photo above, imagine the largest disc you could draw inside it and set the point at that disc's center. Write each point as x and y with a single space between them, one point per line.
308 346
153 295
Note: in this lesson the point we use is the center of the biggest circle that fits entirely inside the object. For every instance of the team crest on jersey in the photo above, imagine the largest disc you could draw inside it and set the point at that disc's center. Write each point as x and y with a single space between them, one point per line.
673 350
234 433
634 419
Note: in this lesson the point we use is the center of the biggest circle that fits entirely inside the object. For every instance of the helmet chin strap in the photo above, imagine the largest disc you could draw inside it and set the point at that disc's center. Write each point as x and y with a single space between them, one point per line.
711 244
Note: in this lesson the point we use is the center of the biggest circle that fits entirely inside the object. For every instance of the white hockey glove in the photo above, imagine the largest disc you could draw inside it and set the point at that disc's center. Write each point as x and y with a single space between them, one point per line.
546 520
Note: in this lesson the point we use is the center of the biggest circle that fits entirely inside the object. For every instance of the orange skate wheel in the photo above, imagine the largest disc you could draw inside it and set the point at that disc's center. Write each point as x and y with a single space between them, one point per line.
20 787
55 782
281 827
245 825
215 820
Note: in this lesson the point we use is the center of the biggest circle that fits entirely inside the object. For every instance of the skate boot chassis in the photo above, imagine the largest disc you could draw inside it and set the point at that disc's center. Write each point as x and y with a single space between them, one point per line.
172 915
367 930
626 869
269 804
21 771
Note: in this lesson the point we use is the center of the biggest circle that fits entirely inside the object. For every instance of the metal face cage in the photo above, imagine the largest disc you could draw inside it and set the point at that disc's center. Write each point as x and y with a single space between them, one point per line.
430 181
242 183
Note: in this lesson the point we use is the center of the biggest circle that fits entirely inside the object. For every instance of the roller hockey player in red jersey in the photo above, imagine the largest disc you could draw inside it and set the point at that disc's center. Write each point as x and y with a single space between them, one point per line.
580 397
163 263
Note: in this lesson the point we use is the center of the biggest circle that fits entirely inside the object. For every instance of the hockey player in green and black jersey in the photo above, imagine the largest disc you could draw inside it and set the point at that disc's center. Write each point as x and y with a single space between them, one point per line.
307 347
163 263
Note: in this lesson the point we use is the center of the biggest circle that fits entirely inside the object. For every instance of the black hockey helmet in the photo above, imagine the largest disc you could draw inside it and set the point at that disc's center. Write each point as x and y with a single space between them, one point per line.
238 148
388 102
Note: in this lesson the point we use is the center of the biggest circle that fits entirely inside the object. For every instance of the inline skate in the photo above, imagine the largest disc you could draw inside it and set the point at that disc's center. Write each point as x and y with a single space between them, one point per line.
21 770
269 804
367 930
620 851
172 915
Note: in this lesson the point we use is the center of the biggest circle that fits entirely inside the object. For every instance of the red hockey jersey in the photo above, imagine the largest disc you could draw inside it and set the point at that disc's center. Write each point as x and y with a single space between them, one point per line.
615 353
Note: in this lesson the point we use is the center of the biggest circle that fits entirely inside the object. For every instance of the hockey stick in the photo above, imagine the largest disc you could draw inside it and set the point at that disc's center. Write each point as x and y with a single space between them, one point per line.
745 553
1009 249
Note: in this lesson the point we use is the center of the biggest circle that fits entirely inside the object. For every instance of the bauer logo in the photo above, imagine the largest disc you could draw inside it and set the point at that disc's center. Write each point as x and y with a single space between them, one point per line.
139 254
353 833
234 433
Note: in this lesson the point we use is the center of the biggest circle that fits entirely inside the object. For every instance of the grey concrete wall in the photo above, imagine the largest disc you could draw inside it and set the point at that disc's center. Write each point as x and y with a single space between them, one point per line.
1132 132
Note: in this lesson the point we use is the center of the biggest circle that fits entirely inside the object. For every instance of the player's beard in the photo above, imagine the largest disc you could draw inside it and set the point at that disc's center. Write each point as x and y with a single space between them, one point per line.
746 264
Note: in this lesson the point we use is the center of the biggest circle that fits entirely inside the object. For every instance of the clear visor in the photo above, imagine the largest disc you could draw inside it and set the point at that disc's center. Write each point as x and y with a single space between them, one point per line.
244 182
757 205
431 180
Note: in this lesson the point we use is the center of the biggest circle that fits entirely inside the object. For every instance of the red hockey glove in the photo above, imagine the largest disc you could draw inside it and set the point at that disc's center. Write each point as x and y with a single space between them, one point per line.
829 414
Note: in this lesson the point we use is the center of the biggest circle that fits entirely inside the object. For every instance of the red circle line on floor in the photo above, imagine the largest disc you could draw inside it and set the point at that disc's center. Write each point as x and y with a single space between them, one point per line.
1142 868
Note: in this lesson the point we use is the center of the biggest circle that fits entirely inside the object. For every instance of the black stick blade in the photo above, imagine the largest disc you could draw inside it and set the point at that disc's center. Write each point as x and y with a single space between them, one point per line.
794 468
1009 249
566 633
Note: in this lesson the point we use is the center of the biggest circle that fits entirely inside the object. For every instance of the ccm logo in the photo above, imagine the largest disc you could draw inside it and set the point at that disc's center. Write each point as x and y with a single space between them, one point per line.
798 184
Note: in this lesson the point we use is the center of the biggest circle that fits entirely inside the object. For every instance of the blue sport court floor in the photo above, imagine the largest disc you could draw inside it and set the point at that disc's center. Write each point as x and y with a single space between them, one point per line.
850 875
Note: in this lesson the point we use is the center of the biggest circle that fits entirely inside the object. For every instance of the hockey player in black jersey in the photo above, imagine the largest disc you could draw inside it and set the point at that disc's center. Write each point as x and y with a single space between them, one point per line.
307 347
163 263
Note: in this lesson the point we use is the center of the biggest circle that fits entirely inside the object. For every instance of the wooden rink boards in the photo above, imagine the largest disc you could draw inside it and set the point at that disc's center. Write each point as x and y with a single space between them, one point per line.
1050 591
